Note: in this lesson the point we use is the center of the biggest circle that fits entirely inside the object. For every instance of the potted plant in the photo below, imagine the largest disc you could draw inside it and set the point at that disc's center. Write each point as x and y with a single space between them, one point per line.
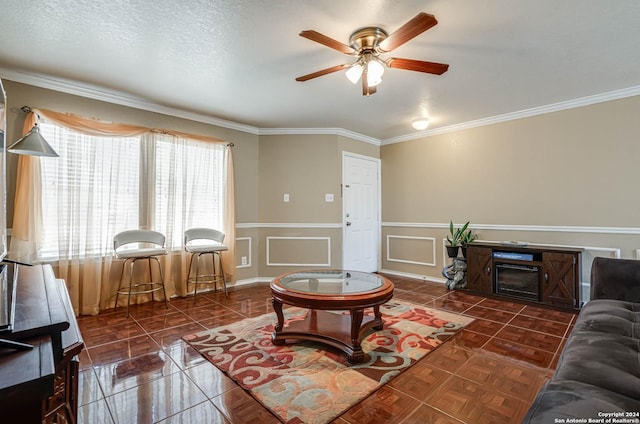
467 237
455 239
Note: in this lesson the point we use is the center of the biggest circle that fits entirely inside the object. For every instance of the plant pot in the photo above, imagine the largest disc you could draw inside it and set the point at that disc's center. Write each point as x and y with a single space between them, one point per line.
452 251
464 251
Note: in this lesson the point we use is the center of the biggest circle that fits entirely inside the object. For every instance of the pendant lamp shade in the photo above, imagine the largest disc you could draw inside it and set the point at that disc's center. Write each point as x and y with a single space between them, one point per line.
34 144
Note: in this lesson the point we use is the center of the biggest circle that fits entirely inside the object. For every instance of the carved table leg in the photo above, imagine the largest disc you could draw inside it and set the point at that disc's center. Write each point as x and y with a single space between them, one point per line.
378 315
277 307
356 322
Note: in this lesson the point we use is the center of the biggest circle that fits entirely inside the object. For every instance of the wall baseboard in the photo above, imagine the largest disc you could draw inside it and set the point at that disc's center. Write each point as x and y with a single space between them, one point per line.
249 281
416 276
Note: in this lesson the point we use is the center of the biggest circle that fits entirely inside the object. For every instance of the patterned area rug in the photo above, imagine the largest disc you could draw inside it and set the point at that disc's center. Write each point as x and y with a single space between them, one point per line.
307 382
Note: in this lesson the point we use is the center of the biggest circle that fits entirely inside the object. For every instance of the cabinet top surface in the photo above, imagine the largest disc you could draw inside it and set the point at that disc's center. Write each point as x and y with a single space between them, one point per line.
525 247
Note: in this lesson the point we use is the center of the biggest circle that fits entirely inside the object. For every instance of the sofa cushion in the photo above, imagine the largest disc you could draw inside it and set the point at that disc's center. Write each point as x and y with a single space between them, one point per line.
611 317
604 348
569 399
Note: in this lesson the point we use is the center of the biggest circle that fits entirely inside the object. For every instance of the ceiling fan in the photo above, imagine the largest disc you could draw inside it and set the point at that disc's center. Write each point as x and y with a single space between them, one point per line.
368 45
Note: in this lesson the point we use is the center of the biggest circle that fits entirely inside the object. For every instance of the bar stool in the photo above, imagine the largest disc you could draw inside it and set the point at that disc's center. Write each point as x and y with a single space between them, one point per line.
205 241
148 246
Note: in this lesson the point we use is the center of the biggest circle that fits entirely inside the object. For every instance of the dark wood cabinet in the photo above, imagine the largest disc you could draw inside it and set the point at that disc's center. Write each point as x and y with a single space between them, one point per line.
479 269
560 285
546 275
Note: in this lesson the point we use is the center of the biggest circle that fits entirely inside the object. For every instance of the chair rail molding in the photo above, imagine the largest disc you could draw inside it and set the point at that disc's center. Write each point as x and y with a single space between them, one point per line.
536 228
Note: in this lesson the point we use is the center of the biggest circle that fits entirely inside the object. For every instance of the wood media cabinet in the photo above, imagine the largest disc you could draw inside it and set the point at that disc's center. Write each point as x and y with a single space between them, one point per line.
40 384
543 275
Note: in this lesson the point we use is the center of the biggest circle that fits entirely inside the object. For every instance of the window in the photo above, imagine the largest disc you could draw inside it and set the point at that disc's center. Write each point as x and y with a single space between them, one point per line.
186 195
100 186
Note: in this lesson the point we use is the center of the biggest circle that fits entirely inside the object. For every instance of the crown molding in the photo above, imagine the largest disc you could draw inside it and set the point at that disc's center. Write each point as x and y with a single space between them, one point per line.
525 113
123 99
117 97
321 131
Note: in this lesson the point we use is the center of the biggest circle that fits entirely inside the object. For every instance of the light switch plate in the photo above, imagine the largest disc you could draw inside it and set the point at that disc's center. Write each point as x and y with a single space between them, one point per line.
285 198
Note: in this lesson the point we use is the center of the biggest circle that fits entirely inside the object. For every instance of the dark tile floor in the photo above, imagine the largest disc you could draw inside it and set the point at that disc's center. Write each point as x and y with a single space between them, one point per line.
138 370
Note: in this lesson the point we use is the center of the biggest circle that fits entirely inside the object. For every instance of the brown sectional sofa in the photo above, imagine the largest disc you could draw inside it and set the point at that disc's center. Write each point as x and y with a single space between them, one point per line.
598 374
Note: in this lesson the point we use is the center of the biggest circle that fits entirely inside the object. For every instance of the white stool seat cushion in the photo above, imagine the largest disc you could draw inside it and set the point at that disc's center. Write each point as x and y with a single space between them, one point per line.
141 253
203 248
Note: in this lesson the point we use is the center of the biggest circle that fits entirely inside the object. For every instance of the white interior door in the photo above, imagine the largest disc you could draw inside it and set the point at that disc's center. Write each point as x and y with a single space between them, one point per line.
361 212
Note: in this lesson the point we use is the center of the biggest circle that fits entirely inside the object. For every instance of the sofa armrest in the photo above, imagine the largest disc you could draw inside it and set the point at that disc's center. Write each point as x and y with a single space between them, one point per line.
617 279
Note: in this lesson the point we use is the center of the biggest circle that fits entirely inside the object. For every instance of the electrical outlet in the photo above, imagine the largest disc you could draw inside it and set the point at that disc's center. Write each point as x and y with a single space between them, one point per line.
328 197
244 260
285 198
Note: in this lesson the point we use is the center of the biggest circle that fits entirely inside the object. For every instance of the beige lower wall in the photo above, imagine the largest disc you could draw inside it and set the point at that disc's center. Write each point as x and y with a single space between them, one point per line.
292 249
247 247
566 178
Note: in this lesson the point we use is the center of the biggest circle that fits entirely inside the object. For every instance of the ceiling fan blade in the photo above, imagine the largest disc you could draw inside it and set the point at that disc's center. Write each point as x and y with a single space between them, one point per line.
327 41
416 26
417 65
322 72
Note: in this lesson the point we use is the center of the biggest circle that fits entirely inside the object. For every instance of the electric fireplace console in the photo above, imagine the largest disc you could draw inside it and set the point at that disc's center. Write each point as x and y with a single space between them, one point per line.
537 274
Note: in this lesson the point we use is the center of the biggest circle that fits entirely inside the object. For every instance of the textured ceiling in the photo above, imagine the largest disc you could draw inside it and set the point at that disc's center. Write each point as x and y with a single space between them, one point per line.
237 60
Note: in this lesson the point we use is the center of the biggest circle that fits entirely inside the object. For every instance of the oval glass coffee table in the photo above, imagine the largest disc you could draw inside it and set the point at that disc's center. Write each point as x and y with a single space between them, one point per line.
330 290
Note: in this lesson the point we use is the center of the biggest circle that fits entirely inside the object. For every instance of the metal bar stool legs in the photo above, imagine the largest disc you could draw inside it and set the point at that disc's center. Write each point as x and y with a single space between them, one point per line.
196 278
205 241
131 289
148 245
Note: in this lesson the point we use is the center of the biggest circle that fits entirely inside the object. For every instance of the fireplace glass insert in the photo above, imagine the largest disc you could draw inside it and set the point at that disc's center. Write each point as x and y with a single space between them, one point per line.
520 281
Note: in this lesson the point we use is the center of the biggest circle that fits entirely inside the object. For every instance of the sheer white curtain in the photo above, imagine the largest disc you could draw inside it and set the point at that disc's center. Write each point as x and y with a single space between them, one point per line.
101 185
89 194
190 191
187 194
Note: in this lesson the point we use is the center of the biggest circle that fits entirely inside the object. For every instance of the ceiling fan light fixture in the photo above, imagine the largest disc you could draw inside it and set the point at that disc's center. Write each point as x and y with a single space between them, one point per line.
368 44
354 72
375 70
420 123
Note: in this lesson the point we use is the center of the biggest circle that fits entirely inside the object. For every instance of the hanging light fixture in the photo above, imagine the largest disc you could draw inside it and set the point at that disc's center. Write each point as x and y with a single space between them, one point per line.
373 66
354 72
32 143
375 72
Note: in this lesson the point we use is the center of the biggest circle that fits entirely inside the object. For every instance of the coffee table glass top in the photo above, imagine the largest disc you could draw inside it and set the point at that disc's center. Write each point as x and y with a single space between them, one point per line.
331 282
